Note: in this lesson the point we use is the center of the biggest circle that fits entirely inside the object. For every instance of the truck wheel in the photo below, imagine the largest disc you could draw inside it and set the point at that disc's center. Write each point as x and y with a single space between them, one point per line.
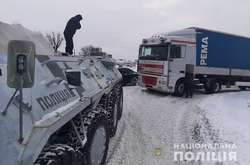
59 154
217 87
213 87
96 148
120 110
179 88
243 88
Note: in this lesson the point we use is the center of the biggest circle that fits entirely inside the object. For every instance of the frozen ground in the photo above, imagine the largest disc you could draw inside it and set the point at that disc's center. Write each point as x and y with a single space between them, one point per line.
152 120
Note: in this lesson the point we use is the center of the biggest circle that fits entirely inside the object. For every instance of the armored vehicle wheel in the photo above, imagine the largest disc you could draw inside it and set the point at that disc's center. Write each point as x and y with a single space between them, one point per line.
96 148
120 110
59 154
114 119
116 105
108 104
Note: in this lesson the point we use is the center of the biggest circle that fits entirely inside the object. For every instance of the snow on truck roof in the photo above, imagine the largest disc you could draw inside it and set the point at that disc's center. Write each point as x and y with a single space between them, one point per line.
178 37
198 29
192 31
188 34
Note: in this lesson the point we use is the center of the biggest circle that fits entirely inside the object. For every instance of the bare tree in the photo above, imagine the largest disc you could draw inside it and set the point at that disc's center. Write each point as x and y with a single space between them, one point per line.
55 40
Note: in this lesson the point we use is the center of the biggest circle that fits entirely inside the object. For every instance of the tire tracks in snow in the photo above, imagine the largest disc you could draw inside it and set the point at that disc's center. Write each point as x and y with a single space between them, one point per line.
116 142
196 127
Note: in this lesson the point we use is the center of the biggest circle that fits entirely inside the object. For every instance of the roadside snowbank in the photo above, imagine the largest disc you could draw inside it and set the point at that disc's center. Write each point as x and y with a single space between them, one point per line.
153 120
229 114
18 32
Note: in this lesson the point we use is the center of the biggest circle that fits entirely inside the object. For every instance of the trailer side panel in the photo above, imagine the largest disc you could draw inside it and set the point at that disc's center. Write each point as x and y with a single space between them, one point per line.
220 50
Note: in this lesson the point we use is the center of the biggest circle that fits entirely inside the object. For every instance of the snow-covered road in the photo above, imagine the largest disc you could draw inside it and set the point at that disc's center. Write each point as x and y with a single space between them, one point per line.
153 123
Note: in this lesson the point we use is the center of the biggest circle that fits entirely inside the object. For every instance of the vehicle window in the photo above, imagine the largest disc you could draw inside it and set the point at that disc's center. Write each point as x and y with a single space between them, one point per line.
147 51
175 51
154 52
183 51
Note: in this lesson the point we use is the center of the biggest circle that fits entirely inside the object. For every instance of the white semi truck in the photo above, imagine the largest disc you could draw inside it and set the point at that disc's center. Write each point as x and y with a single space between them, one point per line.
216 59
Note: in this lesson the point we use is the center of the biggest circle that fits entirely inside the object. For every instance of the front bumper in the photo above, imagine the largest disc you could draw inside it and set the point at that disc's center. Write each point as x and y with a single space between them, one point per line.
158 83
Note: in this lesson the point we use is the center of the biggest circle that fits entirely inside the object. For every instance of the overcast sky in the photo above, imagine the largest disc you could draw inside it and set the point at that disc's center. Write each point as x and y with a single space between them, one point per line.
118 26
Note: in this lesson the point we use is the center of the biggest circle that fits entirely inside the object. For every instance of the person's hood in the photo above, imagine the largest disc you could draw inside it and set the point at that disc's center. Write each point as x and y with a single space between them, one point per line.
78 17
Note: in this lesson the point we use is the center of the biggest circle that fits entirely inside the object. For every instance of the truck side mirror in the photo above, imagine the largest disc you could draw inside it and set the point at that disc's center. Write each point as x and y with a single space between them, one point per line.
74 78
21 63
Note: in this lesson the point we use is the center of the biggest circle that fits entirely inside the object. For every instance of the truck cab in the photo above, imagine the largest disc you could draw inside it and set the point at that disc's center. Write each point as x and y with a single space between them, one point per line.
162 62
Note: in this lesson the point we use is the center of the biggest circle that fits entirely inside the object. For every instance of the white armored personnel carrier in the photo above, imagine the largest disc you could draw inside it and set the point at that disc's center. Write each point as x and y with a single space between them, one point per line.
57 110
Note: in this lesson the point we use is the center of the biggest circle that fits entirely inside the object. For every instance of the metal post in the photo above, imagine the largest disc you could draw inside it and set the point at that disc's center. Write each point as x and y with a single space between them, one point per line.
4 112
20 140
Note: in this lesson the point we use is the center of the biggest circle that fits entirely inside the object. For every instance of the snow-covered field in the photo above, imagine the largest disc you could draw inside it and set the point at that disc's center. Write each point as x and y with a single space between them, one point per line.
153 123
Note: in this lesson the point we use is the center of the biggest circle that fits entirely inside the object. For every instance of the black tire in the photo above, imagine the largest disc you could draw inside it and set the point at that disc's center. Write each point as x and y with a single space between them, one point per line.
59 154
133 82
179 88
207 88
96 124
217 87
113 120
87 124
120 110
113 110
212 86
108 105
243 88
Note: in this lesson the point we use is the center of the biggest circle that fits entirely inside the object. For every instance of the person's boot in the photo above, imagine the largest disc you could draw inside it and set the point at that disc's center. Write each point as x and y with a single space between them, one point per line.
65 54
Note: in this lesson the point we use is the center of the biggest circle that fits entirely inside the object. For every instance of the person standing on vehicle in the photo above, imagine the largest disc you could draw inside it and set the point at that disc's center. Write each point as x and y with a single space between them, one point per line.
72 26
188 82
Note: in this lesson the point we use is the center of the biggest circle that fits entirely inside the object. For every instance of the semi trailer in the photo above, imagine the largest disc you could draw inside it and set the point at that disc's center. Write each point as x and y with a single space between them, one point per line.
216 59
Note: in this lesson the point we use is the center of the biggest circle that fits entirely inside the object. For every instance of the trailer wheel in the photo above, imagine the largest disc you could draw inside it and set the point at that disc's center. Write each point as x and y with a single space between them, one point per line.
217 87
59 154
96 148
179 88
243 88
212 87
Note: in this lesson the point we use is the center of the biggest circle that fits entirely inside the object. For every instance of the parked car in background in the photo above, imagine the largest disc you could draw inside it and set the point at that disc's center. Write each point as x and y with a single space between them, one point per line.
130 77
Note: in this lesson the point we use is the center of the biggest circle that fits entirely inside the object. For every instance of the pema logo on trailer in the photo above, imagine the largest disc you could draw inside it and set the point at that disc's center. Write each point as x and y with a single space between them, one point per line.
204 51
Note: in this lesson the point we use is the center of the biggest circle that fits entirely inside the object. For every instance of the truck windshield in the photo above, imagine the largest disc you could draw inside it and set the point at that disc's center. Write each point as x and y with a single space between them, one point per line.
154 52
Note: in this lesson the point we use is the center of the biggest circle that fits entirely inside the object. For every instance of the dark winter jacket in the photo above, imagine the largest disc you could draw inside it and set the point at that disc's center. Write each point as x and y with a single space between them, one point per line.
73 25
